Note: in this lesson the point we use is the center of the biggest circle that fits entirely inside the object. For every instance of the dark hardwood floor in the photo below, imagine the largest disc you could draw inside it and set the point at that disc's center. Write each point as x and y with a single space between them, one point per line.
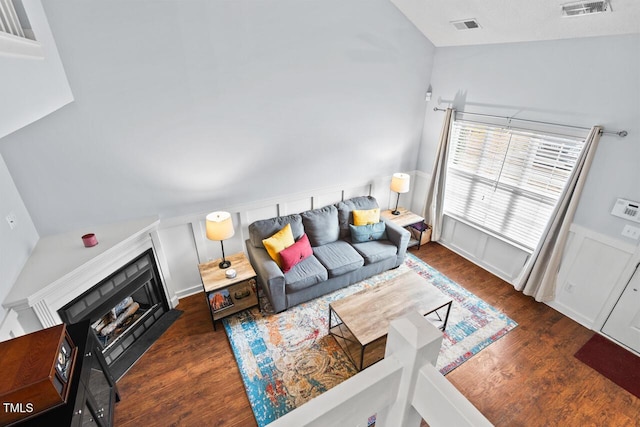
527 378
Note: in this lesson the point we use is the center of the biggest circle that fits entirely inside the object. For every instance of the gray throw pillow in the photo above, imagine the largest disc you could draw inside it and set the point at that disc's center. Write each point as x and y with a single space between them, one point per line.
346 207
265 228
321 225
369 232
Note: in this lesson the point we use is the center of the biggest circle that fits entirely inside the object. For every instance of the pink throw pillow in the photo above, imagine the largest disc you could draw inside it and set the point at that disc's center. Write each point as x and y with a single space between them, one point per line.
295 253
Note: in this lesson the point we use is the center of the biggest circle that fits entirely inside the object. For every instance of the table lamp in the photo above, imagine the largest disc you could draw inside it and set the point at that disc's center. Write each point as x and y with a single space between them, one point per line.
220 227
399 184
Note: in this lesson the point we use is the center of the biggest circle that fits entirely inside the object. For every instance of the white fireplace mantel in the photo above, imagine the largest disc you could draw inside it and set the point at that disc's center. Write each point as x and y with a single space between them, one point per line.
61 268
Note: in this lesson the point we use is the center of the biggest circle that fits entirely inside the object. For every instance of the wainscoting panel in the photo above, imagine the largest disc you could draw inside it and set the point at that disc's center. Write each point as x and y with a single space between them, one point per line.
363 190
419 188
295 206
492 254
254 214
501 256
261 212
179 249
324 199
592 276
468 239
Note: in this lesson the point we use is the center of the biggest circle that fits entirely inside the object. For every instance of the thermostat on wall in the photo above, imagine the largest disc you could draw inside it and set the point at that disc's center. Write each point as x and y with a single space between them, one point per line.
627 209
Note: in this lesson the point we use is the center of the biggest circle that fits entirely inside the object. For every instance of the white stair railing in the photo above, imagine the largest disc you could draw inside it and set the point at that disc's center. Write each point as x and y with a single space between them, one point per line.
9 22
15 39
399 391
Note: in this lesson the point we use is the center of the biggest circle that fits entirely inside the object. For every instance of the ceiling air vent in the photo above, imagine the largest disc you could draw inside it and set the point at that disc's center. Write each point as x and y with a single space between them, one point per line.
466 24
585 8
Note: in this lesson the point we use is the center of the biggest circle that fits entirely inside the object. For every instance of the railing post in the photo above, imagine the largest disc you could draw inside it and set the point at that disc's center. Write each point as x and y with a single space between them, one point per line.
414 342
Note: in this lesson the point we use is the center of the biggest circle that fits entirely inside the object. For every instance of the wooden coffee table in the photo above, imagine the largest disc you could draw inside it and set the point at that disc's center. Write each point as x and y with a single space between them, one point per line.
360 322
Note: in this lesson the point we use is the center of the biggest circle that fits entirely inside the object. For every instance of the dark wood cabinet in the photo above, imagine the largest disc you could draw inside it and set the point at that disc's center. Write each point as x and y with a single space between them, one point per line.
37 370
93 393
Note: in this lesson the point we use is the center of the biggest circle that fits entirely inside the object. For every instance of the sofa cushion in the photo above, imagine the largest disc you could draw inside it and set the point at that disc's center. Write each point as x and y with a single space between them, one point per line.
366 216
376 251
338 257
321 225
346 207
304 274
296 253
265 228
279 241
366 233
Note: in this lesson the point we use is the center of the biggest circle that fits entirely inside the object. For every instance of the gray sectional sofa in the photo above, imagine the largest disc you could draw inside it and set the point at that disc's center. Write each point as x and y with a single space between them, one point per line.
336 261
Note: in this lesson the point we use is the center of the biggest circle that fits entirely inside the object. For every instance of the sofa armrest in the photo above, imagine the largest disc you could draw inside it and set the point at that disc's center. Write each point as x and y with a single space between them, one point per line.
270 276
399 237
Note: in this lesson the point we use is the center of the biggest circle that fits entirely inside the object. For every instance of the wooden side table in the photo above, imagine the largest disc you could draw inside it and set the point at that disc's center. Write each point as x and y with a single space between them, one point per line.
405 219
229 296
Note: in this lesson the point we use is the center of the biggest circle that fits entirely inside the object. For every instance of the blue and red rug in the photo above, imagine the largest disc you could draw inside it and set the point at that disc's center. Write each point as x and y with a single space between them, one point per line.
286 359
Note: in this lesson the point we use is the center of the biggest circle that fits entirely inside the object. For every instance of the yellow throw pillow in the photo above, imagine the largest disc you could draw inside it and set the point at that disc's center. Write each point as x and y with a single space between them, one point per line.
366 217
274 244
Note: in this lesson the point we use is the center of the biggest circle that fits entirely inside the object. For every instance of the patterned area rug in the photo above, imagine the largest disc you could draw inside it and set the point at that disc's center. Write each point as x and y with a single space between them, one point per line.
286 359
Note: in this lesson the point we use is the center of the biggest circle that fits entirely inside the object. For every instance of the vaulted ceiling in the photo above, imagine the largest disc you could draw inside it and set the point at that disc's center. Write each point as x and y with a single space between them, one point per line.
505 21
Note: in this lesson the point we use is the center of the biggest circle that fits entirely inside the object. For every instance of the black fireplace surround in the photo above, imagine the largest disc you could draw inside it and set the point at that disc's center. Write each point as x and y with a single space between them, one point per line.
128 311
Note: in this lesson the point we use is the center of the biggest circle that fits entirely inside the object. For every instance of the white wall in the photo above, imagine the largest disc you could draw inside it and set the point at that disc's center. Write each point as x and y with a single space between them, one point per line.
580 82
184 107
31 88
15 244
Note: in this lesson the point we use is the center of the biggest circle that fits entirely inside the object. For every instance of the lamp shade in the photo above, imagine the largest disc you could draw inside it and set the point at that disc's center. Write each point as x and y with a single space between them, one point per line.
219 226
400 182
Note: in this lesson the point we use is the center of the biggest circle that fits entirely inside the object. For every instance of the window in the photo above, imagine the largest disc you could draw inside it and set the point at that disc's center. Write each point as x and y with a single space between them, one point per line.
505 180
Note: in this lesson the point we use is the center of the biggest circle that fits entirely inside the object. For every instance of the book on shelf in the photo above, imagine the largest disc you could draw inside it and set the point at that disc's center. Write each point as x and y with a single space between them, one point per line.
220 300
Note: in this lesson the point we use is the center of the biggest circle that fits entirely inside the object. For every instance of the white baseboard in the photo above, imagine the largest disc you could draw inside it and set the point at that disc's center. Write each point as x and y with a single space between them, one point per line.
571 314
186 292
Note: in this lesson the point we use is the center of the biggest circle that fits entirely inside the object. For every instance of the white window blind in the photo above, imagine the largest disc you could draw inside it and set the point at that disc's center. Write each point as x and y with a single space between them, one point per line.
507 180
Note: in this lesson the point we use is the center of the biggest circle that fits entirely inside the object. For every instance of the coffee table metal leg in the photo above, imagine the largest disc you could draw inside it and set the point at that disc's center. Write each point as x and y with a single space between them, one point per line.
446 317
330 311
342 337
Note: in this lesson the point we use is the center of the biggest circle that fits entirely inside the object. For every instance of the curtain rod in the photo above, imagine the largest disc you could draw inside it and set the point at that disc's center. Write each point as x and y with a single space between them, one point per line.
621 133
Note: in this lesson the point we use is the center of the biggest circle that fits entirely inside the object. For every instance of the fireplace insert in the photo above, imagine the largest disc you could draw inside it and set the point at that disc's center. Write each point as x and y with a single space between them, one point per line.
127 311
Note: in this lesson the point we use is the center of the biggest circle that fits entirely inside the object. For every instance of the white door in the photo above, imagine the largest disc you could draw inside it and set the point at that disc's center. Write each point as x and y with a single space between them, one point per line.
623 323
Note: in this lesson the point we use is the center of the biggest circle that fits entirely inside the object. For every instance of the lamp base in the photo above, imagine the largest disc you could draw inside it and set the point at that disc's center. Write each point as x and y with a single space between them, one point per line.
224 264
395 212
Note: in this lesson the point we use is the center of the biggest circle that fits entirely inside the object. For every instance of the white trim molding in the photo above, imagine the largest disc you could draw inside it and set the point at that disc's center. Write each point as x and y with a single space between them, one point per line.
10 327
60 269
20 47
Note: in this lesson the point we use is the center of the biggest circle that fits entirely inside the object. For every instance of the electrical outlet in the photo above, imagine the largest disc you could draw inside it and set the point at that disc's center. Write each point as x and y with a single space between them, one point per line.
11 220
631 232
